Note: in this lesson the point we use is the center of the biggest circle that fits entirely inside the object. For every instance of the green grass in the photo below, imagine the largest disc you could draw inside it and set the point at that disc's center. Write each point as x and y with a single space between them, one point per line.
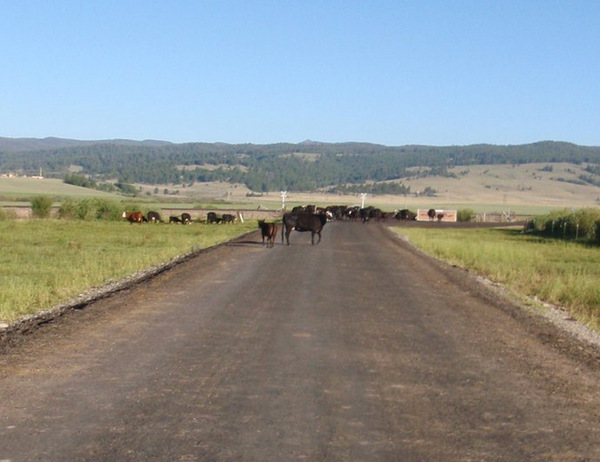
22 189
47 262
562 273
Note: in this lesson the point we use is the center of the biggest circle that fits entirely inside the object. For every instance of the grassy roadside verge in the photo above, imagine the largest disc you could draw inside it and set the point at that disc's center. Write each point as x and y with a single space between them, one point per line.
566 274
47 262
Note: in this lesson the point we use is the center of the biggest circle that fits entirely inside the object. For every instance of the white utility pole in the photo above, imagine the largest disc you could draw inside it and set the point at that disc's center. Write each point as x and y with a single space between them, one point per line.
363 196
283 196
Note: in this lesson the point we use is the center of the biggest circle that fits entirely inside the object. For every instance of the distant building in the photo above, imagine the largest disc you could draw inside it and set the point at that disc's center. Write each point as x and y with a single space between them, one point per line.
40 176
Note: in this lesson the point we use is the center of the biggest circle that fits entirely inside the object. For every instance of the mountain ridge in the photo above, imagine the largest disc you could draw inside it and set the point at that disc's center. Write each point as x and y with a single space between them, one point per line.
8 144
303 166
28 144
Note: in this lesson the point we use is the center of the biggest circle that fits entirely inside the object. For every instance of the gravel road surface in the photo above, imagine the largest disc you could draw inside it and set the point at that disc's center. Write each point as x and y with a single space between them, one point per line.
358 349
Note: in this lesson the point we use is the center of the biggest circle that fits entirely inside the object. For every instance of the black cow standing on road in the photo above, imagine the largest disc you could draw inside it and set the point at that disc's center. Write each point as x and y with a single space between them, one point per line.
303 222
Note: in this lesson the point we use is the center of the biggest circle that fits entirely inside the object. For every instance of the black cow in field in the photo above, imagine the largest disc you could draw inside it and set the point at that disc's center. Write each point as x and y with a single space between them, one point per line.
211 217
228 218
153 217
303 222
185 219
431 214
268 231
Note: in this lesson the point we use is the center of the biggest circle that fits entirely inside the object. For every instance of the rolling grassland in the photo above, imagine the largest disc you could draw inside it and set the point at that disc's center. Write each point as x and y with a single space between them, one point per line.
562 273
526 189
49 261
46 262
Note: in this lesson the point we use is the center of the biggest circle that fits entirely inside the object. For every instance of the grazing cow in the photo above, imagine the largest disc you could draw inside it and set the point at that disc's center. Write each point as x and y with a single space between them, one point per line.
174 219
268 231
405 215
153 217
431 214
186 218
211 217
134 217
228 218
303 222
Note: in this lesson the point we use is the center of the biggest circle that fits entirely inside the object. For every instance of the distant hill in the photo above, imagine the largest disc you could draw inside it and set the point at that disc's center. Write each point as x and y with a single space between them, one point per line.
305 166
44 144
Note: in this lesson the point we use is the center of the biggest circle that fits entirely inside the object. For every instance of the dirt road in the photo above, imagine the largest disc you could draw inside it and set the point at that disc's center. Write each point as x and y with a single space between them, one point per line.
358 349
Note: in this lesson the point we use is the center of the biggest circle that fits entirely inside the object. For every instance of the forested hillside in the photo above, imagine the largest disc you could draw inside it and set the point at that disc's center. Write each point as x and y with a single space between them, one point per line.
296 167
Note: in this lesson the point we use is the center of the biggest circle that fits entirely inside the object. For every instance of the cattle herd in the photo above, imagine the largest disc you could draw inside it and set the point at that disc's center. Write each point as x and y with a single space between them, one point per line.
313 219
185 218
301 218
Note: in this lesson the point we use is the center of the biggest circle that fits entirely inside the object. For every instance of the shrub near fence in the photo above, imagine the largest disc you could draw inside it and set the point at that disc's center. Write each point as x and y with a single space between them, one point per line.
466 215
583 224
41 206
92 209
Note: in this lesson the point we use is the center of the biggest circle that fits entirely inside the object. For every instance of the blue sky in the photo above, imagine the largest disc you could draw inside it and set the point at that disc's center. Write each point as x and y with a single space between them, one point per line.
390 72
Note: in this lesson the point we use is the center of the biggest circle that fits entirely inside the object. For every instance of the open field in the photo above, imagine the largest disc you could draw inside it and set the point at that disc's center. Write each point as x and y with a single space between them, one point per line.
51 261
561 273
46 254
528 188
510 186
524 189
22 188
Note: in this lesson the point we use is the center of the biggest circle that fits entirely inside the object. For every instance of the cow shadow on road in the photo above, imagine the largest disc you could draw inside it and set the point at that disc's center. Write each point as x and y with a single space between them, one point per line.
244 243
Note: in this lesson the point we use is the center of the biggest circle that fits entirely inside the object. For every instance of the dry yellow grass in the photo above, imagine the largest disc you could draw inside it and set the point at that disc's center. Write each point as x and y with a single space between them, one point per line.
20 187
563 273
528 188
510 186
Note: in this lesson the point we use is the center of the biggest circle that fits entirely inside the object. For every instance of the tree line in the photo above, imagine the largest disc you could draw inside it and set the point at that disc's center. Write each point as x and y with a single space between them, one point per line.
295 167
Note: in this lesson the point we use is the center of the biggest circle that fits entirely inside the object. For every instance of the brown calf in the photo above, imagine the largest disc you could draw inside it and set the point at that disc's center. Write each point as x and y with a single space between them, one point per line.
268 231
